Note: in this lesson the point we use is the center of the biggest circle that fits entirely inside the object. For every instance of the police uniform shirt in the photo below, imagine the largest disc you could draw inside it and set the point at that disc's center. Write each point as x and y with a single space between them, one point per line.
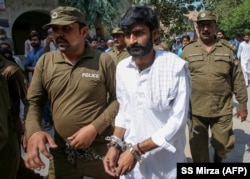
78 93
214 77
15 78
117 57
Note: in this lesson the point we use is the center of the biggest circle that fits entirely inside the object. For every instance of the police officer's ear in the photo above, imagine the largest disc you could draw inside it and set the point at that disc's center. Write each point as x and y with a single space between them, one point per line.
84 30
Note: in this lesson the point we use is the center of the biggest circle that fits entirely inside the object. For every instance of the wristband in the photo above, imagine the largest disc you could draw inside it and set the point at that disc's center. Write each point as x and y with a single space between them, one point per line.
140 149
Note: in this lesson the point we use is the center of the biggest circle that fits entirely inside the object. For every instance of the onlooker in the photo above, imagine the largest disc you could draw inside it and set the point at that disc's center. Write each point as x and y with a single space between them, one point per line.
7 52
243 55
4 38
17 92
119 52
153 90
94 43
88 40
70 78
215 79
236 42
9 149
34 54
185 39
159 45
176 45
27 44
30 63
99 34
49 44
110 44
102 45
221 34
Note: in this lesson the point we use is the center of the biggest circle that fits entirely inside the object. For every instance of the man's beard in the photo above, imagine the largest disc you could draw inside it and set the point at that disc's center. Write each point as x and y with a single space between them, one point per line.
34 45
139 50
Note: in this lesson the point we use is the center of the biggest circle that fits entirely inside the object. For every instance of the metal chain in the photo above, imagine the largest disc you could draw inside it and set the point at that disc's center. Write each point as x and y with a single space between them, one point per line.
85 154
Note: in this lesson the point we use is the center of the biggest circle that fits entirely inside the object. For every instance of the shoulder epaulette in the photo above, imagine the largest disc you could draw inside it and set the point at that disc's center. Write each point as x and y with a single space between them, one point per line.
228 44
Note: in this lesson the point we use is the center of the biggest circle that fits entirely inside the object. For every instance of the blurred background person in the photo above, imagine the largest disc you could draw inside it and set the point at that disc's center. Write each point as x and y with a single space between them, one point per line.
110 44
49 44
119 52
5 38
185 39
243 55
221 34
27 44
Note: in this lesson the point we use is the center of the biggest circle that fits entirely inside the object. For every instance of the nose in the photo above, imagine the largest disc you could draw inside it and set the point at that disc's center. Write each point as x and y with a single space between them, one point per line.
131 38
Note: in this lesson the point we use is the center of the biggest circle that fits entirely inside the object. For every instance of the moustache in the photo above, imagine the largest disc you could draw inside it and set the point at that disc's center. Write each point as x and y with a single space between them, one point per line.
60 39
206 33
137 46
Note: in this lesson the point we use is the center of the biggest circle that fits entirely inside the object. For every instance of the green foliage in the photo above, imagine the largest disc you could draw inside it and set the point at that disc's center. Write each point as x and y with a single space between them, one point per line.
106 12
170 13
233 15
236 21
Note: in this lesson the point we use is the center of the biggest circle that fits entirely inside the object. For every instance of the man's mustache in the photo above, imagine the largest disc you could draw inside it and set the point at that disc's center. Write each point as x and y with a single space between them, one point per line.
134 46
60 39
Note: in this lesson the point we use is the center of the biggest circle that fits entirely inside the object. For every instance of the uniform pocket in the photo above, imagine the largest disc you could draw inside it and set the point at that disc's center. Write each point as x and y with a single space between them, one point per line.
196 62
222 63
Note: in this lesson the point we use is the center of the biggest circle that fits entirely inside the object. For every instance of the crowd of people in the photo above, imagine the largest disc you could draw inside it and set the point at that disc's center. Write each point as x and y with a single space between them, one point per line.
119 107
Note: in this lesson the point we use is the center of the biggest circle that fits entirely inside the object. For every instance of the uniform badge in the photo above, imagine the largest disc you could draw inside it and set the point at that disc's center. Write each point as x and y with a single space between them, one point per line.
54 15
203 15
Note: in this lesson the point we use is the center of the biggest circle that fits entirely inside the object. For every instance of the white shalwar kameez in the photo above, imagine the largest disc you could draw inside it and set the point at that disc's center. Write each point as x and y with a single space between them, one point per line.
165 127
244 55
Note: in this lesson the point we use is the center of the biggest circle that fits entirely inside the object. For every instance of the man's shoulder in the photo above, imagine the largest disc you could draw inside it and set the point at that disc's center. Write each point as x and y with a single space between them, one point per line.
227 44
8 67
191 44
111 51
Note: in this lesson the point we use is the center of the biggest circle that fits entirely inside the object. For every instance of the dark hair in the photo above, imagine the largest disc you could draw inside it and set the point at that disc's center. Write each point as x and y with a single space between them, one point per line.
185 37
32 29
81 25
222 31
35 35
139 14
4 52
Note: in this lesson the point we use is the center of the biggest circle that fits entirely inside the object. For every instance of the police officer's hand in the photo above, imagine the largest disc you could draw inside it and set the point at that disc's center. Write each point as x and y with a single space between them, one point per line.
84 137
242 114
24 141
36 145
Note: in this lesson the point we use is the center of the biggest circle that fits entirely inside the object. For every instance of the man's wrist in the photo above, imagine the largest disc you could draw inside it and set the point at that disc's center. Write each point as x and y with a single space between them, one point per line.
135 155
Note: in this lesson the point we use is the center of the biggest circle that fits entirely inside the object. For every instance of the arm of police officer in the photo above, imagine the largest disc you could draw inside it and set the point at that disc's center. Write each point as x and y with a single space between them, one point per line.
36 145
242 114
37 138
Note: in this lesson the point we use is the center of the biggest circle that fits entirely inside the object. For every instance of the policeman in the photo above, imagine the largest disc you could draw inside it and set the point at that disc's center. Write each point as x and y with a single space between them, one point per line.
215 78
119 52
70 78
9 149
